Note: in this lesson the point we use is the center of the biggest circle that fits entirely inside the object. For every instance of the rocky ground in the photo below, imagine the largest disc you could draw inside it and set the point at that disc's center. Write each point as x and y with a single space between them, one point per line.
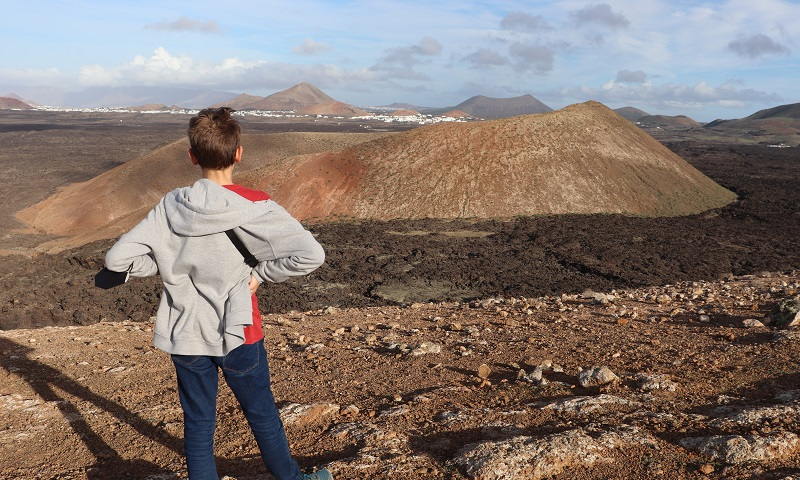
690 380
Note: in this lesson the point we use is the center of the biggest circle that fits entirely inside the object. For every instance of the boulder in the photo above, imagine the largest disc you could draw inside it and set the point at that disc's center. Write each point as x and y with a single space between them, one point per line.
597 376
529 458
587 404
735 449
786 313
649 383
295 414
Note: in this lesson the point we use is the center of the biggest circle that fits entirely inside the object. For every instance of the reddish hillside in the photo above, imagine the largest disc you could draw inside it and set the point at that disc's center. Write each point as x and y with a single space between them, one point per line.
404 113
333 108
582 159
631 113
457 114
481 106
779 124
112 202
294 98
9 103
240 102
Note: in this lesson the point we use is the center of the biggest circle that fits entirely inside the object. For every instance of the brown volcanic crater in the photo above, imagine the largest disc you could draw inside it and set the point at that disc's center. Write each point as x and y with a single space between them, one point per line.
11 102
404 112
332 108
457 114
582 159
110 203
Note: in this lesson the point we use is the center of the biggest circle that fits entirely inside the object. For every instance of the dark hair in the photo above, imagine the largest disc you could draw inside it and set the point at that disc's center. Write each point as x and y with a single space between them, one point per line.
214 137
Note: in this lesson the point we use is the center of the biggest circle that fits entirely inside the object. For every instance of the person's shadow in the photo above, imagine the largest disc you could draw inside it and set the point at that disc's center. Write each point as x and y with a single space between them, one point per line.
46 381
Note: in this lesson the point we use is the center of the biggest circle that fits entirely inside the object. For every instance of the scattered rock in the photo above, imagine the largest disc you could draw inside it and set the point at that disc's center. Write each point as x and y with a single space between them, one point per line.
330 310
395 411
536 377
663 299
786 336
528 458
448 417
596 376
786 313
350 410
753 417
587 404
706 469
649 383
596 297
370 435
296 414
735 449
425 348
751 323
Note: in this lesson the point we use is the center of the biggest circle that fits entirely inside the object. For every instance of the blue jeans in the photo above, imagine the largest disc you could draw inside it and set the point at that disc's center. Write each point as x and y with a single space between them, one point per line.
247 373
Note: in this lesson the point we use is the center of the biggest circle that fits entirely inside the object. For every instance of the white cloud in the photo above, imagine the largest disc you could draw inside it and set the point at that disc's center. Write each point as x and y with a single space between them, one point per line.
399 62
756 46
671 95
33 76
538 58
310 47
165 69
599 14
523 22
631 76
485 57
184 24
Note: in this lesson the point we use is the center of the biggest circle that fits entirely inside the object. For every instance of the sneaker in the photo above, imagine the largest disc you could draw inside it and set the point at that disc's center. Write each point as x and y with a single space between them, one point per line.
323 474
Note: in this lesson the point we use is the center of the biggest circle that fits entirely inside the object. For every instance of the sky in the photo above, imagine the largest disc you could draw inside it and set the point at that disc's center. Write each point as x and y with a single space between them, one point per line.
714 59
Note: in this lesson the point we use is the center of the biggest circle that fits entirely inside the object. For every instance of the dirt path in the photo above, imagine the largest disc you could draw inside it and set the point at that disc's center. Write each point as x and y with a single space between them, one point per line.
99 402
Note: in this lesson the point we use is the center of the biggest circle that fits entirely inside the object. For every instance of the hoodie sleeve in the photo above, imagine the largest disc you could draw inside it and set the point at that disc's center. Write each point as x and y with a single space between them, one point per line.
134 249
282 246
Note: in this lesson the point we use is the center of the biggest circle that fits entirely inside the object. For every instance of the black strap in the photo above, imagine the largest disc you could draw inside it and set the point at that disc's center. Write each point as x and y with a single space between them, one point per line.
249 258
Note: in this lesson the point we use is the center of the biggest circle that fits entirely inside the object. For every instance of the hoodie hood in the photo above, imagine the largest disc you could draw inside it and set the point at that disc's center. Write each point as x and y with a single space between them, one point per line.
207 207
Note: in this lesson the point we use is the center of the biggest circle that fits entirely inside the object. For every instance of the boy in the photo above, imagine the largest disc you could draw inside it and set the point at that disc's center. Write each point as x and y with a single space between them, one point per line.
208 316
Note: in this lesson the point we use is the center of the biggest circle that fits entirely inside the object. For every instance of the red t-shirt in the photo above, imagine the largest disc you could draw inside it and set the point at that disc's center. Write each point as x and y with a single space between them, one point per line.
252 333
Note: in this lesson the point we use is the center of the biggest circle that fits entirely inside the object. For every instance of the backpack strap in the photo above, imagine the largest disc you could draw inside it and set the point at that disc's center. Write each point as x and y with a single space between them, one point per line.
249 258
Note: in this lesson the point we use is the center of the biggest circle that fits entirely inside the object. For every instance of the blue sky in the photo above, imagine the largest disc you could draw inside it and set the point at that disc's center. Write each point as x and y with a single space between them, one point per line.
704 59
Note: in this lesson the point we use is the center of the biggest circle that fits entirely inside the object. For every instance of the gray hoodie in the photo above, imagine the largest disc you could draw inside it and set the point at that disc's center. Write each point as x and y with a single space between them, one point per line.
206 302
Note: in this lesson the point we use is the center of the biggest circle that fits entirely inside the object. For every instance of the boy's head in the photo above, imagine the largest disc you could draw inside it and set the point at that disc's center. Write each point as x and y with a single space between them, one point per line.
214 138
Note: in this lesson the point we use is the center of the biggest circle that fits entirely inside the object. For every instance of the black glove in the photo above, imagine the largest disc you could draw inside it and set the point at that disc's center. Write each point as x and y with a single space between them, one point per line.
106 278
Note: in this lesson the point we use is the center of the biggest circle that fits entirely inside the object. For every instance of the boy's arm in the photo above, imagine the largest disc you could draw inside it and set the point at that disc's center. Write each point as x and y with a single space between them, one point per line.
133 249
283 247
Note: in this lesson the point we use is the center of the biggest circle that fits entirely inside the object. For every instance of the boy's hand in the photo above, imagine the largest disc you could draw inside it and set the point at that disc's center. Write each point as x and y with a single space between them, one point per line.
254 284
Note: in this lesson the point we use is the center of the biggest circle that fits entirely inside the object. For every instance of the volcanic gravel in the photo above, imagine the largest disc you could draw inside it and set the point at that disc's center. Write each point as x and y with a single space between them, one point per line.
400 392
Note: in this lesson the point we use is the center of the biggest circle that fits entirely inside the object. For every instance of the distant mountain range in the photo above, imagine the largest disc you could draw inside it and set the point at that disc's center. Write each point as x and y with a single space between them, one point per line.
302 98
490 108
668 121
403 106
631 113
123 96
645 119
11 102
779 124
782 112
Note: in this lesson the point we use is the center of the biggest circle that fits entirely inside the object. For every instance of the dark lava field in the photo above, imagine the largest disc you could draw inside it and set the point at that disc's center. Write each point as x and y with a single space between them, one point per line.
373 263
